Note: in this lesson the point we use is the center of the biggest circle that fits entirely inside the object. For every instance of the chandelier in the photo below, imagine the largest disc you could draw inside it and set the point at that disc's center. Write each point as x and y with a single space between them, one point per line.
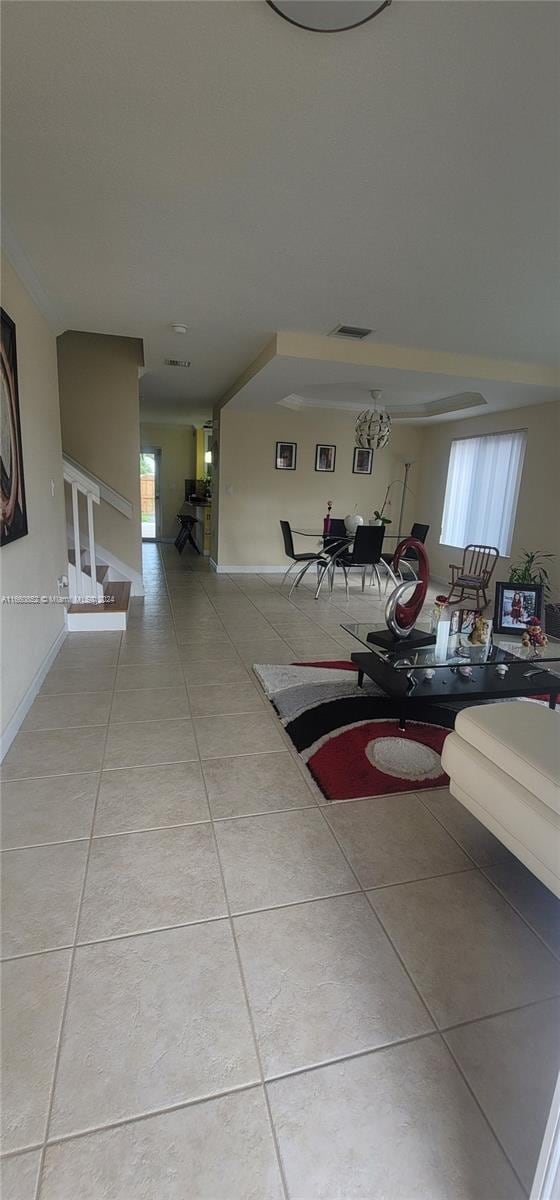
373 427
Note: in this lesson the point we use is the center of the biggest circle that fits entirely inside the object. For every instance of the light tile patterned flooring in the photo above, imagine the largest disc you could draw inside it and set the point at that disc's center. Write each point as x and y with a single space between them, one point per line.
219 987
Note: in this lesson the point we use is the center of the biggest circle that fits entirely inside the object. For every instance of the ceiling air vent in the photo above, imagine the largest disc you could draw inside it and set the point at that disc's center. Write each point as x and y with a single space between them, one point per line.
351 331
177 362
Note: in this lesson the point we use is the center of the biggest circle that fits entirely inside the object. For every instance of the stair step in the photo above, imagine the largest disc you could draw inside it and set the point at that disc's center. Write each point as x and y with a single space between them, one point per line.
101 571
117 598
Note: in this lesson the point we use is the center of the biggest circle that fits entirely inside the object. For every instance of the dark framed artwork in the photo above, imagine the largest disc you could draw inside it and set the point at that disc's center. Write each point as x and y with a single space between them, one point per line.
362 461
325 457
14 510
286 456
515 605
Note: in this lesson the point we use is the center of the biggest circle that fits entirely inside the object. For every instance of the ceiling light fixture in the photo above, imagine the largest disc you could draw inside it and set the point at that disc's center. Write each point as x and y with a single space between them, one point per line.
373 426
179 328
327 16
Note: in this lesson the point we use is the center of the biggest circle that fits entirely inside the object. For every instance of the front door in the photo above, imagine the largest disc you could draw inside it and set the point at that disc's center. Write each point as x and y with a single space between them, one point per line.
149 494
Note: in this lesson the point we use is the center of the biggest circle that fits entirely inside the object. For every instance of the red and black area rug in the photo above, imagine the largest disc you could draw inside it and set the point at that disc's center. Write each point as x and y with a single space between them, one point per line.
349 738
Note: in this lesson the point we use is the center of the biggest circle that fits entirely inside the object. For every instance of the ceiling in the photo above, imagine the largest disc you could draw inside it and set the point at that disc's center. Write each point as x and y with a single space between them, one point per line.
211 164
299 371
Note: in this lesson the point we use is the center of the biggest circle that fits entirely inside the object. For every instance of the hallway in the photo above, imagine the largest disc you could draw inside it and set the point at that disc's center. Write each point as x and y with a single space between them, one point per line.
202 998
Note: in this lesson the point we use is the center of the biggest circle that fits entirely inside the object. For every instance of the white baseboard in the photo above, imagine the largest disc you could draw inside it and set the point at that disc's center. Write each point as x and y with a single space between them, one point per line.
90 622
9 733
253 570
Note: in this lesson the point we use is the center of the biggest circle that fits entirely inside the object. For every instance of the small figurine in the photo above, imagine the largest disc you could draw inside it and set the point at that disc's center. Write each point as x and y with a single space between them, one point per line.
480 631
534 635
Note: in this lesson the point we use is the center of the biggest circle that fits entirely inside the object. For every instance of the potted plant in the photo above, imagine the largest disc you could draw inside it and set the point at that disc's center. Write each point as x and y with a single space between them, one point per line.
532 568
379 518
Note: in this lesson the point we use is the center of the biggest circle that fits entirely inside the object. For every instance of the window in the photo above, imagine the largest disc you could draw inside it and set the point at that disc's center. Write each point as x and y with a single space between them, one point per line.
482 488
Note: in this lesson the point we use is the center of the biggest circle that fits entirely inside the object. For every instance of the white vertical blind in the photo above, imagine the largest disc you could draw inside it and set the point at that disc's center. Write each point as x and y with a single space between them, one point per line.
482 489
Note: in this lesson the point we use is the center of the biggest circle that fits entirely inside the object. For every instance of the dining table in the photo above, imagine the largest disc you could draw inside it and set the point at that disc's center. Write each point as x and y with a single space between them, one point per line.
342 542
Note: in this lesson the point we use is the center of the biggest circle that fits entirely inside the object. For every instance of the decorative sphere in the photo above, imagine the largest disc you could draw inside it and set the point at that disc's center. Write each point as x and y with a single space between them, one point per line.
351 522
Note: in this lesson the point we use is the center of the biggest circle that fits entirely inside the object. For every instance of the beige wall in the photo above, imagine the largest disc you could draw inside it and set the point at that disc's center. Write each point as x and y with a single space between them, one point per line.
537 525
32 565
254 496
99 410
176 443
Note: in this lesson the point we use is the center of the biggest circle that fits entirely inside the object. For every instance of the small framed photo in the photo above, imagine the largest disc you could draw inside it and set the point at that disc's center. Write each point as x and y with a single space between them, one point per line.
325 457
362 461
515 605
286 455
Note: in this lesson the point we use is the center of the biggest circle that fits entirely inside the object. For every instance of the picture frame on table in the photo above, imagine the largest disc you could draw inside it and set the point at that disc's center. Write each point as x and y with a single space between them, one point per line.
325 457
362 461
286 456
516 604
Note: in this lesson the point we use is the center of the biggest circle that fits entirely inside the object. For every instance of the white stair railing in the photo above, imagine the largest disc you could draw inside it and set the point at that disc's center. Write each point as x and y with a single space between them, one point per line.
86 480
81 483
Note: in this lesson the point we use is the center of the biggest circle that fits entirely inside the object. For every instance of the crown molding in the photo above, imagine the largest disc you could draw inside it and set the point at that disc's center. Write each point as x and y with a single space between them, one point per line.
17 256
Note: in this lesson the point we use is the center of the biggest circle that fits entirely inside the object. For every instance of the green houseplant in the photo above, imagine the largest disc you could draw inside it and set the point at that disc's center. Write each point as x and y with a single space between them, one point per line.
531 568
381 520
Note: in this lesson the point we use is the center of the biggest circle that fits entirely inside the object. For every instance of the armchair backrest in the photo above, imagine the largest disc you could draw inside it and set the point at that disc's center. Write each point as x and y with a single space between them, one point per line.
288 539
368 543
480 561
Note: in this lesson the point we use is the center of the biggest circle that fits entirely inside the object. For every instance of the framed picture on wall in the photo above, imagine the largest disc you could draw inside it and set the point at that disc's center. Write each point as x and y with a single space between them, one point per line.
286 454
516 605
325 457
14 510
362 461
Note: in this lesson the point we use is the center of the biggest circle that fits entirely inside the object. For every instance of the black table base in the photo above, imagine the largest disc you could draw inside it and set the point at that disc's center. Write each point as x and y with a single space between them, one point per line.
410 688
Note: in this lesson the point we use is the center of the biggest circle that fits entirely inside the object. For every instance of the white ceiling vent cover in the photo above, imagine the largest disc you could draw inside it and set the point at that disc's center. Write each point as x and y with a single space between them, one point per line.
355 332
177 362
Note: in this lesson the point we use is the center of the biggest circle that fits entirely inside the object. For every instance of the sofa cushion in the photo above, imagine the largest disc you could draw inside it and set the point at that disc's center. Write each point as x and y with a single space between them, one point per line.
523 739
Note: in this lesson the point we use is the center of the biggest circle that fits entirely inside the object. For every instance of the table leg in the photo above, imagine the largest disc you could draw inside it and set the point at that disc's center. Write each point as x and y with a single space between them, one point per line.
360 678
553 696
402 722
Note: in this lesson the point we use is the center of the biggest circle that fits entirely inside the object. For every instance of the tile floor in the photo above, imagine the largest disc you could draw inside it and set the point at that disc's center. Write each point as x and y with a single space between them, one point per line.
217 986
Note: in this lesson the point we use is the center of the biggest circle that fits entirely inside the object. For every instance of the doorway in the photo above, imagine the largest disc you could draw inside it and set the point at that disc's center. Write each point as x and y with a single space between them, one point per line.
149 494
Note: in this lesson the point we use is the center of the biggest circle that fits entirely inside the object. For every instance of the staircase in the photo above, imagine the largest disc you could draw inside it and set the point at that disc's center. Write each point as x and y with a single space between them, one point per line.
99 596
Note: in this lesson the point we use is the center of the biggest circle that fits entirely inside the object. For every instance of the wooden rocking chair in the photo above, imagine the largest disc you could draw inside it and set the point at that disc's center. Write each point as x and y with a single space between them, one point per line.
474 574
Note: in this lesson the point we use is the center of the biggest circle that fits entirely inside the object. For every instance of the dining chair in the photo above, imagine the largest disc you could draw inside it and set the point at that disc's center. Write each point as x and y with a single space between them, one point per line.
303 561
336 537
365 554
420 533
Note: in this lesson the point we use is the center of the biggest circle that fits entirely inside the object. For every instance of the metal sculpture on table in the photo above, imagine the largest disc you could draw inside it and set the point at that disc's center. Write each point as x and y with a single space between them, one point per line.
400 617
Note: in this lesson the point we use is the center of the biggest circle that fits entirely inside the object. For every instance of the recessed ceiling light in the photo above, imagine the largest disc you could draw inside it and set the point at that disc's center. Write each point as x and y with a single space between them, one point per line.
179 328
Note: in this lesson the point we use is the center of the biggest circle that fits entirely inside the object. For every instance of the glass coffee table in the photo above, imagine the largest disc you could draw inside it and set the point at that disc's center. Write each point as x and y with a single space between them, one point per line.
453 670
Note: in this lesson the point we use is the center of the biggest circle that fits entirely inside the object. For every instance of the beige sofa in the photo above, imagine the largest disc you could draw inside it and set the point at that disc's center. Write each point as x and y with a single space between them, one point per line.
503 761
